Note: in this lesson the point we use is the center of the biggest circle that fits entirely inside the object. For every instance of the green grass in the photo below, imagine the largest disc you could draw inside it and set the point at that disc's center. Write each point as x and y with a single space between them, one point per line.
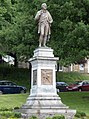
76 100
12 100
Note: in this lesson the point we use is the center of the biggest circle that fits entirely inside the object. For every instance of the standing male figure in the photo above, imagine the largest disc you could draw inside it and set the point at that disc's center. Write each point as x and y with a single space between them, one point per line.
44 22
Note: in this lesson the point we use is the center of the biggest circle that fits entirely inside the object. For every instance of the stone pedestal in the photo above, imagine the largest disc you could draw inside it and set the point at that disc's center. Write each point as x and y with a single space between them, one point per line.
43 100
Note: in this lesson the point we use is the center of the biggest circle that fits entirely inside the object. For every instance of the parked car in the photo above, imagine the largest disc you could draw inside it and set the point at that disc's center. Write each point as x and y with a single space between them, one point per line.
79 86
61 86
8 87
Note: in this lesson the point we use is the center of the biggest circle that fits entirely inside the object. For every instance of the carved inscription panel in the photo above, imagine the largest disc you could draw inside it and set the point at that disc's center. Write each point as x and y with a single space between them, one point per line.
46 76
34 77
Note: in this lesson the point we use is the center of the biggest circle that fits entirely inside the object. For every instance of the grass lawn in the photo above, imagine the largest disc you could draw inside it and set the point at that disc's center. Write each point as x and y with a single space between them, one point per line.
12 100
76 100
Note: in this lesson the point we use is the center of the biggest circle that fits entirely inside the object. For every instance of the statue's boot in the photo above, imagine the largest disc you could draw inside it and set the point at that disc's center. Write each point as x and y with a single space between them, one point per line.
39 44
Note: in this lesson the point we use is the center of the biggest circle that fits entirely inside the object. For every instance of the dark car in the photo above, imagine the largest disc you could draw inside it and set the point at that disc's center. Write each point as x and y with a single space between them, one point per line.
61 86
79 86
8 87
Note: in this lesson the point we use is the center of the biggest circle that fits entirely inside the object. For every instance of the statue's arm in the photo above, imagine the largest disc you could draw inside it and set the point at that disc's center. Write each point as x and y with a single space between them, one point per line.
50 18
37 15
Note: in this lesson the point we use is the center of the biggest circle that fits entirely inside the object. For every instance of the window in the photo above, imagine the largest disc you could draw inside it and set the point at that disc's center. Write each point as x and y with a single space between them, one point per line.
81 67
60 68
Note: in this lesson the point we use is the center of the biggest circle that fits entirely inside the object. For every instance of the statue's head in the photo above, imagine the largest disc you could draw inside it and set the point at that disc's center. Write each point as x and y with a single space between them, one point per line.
44 6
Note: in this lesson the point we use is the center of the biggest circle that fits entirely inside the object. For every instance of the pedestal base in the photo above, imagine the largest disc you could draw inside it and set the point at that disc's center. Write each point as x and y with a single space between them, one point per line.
43 100
45 106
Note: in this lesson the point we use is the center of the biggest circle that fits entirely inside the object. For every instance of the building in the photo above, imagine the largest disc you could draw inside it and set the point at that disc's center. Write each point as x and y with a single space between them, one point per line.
82 67
8 59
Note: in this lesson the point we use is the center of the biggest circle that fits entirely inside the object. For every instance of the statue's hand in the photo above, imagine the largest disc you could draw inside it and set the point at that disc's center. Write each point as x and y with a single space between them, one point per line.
41 12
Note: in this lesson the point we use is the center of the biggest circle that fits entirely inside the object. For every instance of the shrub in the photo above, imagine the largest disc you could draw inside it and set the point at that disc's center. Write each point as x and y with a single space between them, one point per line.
54 117
33 117
5 109
58 117
80 114
10 114
17 114
48 118
12 118
2 117
6 113
16 108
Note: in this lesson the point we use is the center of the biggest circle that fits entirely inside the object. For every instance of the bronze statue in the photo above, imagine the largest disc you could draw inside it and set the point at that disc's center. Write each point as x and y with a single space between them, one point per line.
44 23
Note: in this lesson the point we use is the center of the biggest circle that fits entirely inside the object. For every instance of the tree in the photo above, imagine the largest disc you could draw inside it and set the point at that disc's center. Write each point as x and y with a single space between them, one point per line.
70 29
17 36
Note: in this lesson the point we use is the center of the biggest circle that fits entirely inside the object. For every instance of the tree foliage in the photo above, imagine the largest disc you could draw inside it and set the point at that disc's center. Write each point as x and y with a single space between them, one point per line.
70 29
